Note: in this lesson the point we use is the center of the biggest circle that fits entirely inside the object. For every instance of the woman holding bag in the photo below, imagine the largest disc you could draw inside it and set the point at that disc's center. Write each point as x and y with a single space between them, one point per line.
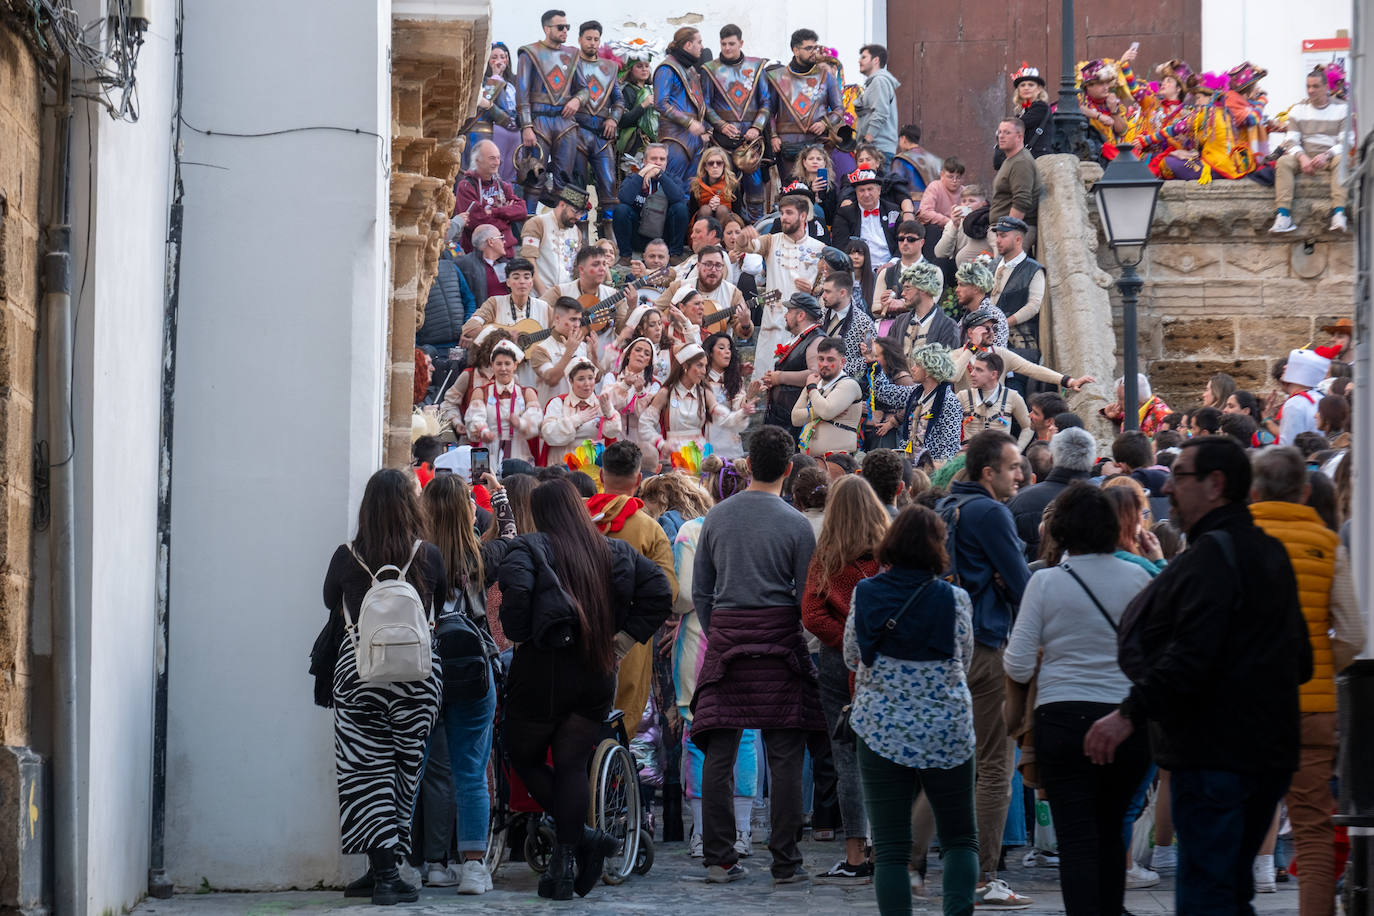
469 699
1072 612
574 602
380 728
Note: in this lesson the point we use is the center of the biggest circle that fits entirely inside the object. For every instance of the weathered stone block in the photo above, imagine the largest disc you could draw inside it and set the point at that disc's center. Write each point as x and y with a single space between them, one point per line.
1180 382
1272 336
1234 296
1246 260
1187 260
1198 336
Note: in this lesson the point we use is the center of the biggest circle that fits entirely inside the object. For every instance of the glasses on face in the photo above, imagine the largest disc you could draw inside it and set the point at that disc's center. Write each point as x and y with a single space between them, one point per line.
908 238
560 27
1175 475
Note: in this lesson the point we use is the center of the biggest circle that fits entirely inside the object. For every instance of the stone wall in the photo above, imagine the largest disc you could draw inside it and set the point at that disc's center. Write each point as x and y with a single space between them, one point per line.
20 112
436 69
1224 295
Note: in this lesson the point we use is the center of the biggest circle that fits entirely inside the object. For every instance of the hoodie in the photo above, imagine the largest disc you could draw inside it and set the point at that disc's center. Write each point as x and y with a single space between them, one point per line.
877 111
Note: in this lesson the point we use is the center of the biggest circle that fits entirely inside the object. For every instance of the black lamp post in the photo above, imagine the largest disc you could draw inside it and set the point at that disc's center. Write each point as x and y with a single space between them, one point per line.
1126 196
1072 134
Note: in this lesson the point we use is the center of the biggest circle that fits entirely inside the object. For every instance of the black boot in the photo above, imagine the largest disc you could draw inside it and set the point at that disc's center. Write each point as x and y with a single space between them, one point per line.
557 882
362 887
672 814
596 845
388 889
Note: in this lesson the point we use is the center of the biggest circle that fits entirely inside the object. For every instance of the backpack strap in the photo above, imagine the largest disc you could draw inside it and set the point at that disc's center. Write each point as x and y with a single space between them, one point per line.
1084 585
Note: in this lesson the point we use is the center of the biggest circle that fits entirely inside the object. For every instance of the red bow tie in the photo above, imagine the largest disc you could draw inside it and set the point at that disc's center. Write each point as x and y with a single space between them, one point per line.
870 213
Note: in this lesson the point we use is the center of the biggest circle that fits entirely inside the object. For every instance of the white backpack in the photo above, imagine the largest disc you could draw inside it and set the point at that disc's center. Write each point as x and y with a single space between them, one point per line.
392 641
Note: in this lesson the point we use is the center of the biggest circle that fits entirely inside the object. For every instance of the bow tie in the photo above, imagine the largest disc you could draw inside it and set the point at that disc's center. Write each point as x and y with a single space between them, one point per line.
868 213
584 406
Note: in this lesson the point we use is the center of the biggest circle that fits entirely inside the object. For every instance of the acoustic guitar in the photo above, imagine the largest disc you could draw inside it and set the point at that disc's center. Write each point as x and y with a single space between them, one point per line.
598 314
716 322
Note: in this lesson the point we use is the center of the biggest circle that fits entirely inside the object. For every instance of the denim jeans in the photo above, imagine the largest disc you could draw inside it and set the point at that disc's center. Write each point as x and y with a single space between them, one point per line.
469 729
889 791
1221 818
834 683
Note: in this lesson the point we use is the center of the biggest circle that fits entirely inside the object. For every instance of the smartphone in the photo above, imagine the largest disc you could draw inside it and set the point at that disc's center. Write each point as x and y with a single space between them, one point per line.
823 175
481 463
1135 46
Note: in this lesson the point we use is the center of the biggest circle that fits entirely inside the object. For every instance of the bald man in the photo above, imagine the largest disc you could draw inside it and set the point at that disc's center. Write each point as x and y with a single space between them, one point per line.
484 199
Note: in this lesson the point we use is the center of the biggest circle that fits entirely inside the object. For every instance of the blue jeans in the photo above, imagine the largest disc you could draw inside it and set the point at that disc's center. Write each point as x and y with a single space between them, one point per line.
469 729
1221 818
625 224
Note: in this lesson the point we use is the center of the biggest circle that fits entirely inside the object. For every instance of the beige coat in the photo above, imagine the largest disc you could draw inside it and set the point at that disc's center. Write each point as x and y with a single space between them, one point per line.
831 413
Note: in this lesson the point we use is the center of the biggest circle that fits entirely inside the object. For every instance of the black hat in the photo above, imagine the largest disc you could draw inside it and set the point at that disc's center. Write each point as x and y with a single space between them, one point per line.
978 316
864 176
1011 224
807 303
836 259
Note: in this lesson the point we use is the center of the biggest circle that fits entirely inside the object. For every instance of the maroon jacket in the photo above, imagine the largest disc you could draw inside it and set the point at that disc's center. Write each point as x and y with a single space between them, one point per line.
509 208
756 674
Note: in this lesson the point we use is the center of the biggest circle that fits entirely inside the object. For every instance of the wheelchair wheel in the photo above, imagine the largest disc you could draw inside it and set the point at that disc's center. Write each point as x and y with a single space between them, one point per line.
645 859
498 823
615 797
539 848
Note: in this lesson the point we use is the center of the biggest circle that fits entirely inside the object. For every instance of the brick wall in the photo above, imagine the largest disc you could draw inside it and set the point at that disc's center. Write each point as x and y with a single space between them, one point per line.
1223 295
20 111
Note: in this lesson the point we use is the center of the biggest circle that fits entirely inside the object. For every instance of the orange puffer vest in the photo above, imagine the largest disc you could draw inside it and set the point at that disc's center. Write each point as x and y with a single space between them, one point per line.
1311 549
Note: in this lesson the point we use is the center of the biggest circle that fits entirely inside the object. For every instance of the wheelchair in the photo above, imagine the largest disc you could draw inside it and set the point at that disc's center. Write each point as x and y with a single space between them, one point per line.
520 830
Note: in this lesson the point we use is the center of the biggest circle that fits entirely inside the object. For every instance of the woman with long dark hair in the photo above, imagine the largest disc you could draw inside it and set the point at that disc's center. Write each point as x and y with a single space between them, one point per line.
380 728
882 419
495 118
574 602
685 409
864 271
458 760
724 378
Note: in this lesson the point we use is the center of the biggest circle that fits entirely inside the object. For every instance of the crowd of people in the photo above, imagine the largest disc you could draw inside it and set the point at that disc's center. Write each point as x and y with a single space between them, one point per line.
777 468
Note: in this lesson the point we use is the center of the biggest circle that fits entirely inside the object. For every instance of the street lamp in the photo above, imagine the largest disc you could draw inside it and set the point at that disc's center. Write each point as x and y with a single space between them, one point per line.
1126 196
1072 134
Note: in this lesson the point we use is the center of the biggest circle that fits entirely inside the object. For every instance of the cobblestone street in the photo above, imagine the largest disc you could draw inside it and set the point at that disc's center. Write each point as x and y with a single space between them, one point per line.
676 887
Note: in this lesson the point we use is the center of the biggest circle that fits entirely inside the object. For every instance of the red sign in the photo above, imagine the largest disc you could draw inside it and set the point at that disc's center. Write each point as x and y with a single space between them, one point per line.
1325 44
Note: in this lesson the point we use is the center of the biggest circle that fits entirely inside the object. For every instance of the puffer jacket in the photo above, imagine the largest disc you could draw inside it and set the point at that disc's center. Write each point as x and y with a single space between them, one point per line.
536 608
756 674
449 304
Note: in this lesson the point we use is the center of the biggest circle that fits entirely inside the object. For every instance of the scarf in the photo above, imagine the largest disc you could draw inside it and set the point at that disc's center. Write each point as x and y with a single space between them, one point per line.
682 57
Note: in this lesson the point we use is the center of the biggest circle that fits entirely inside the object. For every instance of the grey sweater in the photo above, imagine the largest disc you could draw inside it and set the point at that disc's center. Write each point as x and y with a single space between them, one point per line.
877 111
753 552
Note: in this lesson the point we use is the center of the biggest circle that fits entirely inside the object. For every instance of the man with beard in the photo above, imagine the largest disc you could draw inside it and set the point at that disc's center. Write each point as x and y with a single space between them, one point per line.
600 107
737 106
1018 287
545 103
550 241
717 294
681 107
791 259
972 283
831 406
887 288
796 361
845 322
805 101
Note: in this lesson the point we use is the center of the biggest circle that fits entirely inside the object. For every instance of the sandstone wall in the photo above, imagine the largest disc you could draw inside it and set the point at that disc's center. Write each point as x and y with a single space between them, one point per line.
20 111
1224 295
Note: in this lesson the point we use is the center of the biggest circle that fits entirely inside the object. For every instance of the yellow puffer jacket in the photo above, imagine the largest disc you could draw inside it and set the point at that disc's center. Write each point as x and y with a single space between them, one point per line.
1311 549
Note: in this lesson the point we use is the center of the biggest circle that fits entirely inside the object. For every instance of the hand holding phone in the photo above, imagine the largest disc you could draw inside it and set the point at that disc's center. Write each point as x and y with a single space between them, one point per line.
481 463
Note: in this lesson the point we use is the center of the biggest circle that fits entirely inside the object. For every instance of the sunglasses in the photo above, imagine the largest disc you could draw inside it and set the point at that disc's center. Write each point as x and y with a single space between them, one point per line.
560 28
908 238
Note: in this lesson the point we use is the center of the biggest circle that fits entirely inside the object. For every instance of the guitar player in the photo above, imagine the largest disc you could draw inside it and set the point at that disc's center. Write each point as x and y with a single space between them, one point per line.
717 294
590 272
547 361
509 310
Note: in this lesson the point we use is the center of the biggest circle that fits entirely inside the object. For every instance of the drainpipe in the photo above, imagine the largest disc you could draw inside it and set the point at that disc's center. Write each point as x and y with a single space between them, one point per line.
159 885
57 306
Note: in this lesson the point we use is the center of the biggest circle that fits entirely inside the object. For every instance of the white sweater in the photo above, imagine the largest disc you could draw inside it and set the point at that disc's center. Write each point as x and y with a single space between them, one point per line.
1080 646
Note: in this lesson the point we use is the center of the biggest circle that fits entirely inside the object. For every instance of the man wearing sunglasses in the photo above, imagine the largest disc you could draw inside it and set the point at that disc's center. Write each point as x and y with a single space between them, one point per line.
545 99
887 291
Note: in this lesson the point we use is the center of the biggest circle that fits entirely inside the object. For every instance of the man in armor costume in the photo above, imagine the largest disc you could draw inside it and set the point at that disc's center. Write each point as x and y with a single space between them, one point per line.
681 106
737 107
600 107
805 101
545 103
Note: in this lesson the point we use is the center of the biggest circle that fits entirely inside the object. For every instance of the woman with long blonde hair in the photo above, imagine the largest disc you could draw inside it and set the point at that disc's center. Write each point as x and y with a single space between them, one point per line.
715 188
855 524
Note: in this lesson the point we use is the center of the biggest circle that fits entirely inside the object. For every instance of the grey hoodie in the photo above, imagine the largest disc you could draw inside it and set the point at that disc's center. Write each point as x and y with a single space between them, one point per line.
877 111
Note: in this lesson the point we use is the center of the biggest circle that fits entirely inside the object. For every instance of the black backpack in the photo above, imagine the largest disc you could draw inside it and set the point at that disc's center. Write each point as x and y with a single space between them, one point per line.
465 652
949 508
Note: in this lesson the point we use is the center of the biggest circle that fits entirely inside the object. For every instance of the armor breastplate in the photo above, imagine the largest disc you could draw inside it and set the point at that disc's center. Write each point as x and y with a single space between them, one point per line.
554 66
691 83
801 97
735 98
598 76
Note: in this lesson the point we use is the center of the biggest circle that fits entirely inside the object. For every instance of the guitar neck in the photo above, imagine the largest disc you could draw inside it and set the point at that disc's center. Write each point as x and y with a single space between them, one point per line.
534 337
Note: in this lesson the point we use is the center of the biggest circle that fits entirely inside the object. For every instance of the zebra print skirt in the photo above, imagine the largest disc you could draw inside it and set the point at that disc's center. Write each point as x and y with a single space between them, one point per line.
380 732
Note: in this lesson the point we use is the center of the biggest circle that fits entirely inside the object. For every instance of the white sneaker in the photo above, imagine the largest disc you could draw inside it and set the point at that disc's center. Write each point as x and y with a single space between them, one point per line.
1338 222
743 848
475 878
997 895
1282 223
918 884
1139 876
409 873
1164 859
1263 871
437 874
1038 858
694 847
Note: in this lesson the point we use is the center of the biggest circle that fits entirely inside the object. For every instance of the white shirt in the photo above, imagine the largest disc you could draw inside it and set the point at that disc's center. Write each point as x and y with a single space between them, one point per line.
1299 415
871 231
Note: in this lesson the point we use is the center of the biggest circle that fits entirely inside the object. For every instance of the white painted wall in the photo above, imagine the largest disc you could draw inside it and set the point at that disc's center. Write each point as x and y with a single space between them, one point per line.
278 420
767 25
1269 33
119 210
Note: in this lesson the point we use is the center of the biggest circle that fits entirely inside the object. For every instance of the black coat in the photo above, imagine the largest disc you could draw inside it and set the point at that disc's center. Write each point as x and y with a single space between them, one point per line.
849 220
445 310
1215 648
475 273
1028 506
535 606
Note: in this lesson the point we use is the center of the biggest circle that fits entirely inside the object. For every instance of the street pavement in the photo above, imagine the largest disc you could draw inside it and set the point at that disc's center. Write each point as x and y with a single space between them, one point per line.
675 887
